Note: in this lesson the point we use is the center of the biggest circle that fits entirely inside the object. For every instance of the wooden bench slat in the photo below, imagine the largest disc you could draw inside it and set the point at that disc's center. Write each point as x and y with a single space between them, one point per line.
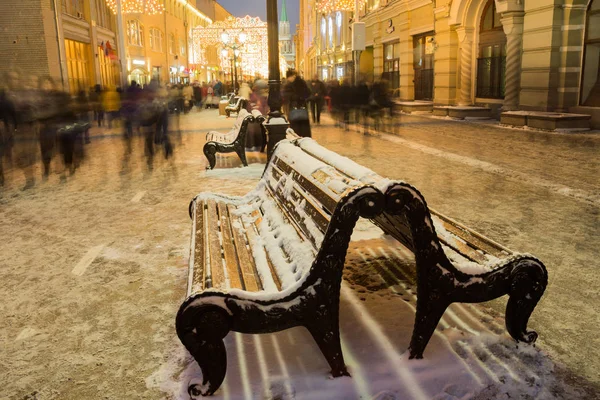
246 261
231 259
217 274
318 216
474 239
199 262
328 201
253 238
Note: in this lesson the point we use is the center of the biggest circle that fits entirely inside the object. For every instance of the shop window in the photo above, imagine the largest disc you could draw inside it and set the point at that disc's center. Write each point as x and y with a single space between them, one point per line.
491 60
423 52
391 65
590 84
109 75
135 33
156 39
78 65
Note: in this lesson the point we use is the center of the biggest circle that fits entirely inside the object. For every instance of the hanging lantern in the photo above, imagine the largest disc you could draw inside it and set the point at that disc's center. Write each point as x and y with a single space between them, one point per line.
148 7
329 6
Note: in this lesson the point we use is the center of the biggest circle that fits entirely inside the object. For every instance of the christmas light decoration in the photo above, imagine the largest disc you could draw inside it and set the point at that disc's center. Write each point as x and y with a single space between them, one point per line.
148 7
250 35
329 6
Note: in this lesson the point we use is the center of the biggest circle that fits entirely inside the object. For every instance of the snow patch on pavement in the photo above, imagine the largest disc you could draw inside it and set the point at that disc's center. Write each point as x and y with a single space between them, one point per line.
252 171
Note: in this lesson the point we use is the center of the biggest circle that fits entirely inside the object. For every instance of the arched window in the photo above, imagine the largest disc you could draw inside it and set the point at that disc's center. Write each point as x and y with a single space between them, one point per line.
135 32
338 26
590 84
156 39
491 59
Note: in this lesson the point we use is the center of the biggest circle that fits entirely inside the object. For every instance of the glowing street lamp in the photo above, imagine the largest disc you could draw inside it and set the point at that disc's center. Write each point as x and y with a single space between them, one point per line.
235 45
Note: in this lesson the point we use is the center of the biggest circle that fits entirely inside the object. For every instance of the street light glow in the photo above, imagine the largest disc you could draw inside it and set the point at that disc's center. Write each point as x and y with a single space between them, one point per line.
225 37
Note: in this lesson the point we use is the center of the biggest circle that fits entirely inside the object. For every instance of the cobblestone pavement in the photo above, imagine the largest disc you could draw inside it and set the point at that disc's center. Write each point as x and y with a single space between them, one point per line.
93 267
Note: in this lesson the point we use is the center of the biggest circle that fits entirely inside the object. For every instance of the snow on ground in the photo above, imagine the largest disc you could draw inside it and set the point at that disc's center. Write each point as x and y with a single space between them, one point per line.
470 356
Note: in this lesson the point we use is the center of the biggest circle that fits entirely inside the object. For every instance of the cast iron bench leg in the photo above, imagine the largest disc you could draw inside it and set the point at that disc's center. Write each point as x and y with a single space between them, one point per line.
210 151
241 152
211 325
326 333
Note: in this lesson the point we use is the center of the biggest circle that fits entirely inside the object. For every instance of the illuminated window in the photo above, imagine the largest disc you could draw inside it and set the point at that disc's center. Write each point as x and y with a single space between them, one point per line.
330 32
135 32
109 75
181 46
323 31
338 23
156 39
78 65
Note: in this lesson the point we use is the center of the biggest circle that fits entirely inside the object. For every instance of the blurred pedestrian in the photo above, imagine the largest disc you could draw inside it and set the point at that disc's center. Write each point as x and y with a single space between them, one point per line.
295 96
111 104
317 98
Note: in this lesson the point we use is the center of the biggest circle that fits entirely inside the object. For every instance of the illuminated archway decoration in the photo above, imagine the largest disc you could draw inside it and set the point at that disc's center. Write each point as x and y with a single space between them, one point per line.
148 7
254 52
329 6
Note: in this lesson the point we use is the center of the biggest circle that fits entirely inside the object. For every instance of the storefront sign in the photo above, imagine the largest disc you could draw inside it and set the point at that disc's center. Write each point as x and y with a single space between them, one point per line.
138 62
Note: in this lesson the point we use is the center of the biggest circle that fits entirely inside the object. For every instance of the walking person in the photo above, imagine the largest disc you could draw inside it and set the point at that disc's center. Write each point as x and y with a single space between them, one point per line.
295 96
317 99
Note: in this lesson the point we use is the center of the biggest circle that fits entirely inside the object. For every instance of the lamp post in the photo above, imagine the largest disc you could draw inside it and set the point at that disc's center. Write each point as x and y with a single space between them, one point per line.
235 46
276 124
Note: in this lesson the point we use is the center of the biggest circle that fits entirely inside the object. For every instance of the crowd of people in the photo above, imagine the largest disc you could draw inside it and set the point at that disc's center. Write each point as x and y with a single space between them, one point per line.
63 122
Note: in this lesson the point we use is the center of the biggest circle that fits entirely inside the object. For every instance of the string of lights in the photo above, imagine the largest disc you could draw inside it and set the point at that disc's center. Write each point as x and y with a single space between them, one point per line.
329 6
253 52
148 7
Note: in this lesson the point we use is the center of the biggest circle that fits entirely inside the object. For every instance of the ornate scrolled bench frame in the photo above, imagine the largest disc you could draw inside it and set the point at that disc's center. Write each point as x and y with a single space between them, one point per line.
441 282
237 145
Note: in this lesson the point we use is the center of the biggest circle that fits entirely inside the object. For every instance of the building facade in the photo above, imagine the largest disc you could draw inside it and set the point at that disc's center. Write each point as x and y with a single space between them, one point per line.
507 54
159 45
76 43
71 42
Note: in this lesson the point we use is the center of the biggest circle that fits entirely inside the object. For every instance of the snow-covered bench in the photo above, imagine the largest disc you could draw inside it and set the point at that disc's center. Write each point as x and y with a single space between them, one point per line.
272 259
232 141
236 104
453 262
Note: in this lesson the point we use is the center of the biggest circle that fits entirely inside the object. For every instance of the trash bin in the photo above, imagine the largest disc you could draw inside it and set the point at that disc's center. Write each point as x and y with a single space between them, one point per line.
222 105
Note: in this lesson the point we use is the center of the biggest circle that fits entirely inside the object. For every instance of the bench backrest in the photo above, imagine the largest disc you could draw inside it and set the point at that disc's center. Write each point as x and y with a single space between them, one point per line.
239 120
464 241
308 191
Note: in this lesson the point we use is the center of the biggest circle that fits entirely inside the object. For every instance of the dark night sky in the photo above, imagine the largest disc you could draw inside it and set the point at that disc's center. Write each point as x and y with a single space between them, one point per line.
258 8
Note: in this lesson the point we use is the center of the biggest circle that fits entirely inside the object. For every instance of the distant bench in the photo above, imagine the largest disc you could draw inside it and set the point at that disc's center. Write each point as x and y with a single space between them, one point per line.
273 259
232 141
235 105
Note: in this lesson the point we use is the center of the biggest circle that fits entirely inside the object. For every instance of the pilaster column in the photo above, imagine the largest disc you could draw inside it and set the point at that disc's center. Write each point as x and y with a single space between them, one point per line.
512 23
465 38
